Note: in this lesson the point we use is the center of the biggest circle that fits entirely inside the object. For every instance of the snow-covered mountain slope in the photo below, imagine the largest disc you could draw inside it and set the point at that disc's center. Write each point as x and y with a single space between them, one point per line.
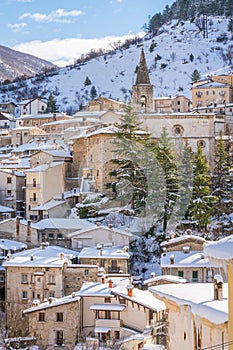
172 56
15 64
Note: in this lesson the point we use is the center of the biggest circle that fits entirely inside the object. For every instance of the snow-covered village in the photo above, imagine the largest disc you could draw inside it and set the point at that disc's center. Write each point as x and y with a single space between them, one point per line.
116 190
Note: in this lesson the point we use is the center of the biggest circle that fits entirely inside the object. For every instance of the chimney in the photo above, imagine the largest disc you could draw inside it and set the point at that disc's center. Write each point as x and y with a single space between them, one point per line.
31 257
152 275
110 226
73 295
28 238
103 280
172 258
218 286
50 300
110 283
43 245
130 290
188 232
17 227
8 257
62 256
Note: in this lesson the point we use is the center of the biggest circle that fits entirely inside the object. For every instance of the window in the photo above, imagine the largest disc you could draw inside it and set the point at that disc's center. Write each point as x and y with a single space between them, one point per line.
195 276
213 92
2 279
41 317
51 294
116 334
59 338
34 182
86 272
107 300
181 273
24 278
59 316
34 197
108 315
9 180
51 279
24 294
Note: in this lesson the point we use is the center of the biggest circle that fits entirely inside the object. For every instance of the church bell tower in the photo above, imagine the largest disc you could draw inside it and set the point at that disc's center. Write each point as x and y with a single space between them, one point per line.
142 91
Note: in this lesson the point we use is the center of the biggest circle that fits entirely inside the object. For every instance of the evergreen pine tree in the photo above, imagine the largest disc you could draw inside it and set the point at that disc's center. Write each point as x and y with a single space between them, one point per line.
51 105
93 92
166 156
87 82
201 205
129 178
195 76
221 180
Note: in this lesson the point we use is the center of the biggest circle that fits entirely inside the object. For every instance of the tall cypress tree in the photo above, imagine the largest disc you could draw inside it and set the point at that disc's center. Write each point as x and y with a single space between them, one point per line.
221 180
201 206
167 157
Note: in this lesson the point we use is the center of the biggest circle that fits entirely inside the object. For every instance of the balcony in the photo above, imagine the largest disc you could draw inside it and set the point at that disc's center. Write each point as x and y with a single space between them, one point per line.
108 323
32 186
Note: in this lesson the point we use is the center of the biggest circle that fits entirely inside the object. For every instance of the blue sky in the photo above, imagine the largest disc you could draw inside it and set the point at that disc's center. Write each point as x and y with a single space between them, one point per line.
61 30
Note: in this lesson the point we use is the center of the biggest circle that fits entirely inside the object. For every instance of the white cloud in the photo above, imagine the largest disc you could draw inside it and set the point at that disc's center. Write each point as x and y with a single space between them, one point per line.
58 16
64 52
17 27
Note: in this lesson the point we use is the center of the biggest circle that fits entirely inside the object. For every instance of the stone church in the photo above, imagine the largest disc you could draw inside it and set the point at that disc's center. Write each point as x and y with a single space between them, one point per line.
183 125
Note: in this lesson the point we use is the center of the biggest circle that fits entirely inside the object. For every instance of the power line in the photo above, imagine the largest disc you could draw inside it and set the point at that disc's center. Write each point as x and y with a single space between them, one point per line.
218 346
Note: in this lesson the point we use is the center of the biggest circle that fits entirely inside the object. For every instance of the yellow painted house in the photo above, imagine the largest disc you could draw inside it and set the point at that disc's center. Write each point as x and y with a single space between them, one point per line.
222 252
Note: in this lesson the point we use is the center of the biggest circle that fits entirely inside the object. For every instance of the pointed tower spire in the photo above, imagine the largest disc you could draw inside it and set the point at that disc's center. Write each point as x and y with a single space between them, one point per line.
142 74
143 91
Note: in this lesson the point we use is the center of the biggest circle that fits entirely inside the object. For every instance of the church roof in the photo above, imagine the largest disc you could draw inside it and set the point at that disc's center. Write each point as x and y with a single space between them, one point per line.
142 74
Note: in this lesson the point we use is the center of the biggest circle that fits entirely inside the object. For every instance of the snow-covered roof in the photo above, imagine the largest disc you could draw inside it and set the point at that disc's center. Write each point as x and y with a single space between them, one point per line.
52 256
220 250
89 114
105 228
108 306
49 205
4 209
211 84
15 163
95 289
43 116
7 244
53 302
200 297
194 258
142 297
104 253
168 278
182 238
69 224
44 167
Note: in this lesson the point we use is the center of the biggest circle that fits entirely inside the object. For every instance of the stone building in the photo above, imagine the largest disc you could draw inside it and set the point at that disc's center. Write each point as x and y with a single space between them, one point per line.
38 274
184 257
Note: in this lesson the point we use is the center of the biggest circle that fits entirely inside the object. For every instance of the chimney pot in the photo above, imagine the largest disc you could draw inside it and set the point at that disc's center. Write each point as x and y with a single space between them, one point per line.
130 290
172 258
103 280
110 283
